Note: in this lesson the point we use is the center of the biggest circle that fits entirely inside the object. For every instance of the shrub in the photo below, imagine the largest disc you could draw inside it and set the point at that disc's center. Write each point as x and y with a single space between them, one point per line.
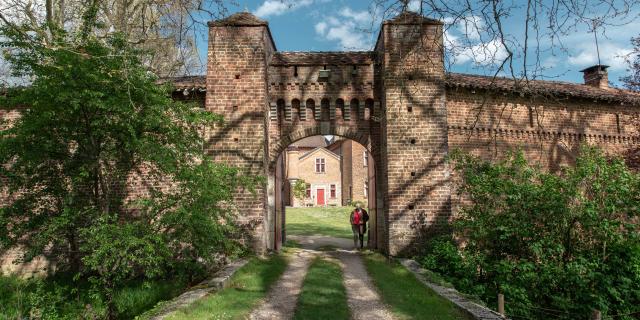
557 245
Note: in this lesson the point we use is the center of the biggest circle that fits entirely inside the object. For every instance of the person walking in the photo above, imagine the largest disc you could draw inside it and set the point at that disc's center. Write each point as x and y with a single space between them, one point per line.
358 220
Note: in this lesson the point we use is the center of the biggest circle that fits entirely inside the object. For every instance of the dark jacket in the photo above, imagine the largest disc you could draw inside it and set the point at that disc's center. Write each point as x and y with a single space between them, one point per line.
365 216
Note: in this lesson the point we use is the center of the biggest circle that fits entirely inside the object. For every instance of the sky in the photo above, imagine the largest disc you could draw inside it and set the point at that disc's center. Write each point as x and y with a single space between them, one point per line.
337 25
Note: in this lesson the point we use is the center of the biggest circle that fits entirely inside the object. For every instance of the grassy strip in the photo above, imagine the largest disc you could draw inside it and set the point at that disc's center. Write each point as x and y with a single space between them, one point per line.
247 287
331 221
54 297
323 293
408 297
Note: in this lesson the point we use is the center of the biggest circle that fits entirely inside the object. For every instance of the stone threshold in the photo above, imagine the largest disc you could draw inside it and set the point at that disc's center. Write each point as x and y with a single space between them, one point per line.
473 309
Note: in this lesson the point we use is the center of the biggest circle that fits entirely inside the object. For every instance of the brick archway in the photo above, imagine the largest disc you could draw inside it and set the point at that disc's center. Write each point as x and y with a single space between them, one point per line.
277 182
344 131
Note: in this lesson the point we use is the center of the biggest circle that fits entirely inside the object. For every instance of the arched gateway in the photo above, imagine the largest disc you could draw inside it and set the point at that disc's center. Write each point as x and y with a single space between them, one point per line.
395 101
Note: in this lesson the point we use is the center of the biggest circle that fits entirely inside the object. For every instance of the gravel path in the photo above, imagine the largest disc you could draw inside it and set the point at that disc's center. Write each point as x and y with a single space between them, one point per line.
283 297
363 300
317 242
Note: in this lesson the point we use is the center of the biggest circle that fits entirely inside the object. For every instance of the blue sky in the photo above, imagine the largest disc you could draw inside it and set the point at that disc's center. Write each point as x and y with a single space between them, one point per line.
330 25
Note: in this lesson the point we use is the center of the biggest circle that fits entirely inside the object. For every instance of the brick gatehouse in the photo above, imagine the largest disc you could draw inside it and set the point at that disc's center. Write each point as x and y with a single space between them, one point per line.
400 103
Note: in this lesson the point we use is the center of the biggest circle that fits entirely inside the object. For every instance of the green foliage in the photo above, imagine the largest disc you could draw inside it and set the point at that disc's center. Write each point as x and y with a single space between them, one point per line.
60 297
93 121
557 245
300 189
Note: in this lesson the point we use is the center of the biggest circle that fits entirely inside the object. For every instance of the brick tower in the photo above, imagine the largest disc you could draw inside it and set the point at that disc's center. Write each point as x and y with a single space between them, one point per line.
414 130
239 50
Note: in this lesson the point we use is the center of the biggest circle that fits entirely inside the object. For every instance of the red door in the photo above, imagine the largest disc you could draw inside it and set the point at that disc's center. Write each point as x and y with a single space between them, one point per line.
320 197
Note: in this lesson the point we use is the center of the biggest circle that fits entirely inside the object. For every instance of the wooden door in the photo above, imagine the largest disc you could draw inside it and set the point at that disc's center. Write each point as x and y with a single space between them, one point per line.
320 197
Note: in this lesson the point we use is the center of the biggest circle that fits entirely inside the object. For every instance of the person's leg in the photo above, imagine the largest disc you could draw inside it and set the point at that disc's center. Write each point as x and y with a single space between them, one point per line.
361 236
354 229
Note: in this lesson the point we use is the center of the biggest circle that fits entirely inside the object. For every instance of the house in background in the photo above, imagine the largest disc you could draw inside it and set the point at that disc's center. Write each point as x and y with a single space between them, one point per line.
335 171
309 160
355 169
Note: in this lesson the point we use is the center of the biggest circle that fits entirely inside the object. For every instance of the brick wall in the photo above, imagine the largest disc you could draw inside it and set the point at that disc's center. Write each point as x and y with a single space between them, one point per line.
417 197
236 88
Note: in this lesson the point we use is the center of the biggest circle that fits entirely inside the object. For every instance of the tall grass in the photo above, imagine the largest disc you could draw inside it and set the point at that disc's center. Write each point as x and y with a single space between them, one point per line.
61 297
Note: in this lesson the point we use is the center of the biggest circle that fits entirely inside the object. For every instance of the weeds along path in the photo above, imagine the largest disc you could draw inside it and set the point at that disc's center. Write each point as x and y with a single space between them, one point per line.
283 296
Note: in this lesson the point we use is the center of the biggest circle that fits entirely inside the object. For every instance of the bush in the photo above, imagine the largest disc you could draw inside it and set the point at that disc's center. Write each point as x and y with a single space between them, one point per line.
557 245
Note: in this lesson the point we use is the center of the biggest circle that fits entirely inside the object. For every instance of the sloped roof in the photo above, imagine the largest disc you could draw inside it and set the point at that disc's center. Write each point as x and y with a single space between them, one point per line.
187 82
558 89
239 19
322 58
313 141
319 149
542 87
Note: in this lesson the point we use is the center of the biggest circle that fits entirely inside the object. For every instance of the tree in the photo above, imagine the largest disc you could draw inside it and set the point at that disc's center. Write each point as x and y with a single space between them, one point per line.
300 189
632 81
167 29
93 123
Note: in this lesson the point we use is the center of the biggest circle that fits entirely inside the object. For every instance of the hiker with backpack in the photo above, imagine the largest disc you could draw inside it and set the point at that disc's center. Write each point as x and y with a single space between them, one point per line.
358 220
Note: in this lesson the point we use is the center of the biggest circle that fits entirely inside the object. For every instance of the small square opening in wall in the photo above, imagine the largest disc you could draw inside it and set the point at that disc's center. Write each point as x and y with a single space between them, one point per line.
409 109
235 108
237 76
413 173
235 139
412 141
411 207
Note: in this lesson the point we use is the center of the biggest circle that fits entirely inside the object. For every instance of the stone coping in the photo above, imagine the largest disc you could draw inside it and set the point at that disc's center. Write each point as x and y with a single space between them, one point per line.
473 309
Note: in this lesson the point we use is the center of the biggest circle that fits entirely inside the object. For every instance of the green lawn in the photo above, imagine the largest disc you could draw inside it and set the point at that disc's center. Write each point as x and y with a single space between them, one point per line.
408 297
330 221
323 293
248 286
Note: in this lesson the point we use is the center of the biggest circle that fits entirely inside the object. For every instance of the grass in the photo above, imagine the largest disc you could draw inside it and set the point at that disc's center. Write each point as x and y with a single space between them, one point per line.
323 293
54 296
330 221
408 297
247 287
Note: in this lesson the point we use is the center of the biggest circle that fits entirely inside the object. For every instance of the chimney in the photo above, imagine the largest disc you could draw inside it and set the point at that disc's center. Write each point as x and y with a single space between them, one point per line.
596 76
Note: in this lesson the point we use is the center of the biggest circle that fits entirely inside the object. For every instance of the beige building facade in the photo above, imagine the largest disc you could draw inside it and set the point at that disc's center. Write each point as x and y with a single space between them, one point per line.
320 170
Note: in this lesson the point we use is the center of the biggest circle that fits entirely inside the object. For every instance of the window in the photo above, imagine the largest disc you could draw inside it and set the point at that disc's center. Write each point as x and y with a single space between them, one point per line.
365 158
333 191
320 165
366 189
308 190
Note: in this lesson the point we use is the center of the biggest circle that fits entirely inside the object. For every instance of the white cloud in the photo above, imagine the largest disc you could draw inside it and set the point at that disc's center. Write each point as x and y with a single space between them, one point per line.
280 7
483 53
321 27
360 17
347 29
471 26
414 5
464 45
611 54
